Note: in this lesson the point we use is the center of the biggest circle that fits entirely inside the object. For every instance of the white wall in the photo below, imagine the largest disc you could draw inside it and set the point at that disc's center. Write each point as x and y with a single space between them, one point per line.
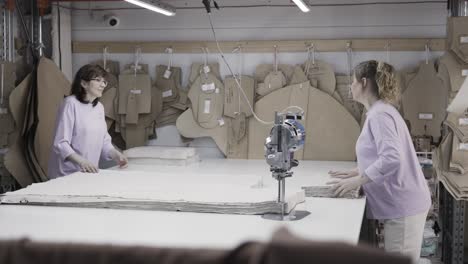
257 23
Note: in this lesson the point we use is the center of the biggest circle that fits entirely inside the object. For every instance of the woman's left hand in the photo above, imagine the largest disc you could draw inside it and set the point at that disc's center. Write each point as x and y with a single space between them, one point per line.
120 159
341 187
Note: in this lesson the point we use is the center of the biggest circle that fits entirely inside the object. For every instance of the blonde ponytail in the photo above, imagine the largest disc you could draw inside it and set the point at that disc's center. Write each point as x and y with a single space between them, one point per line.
382 78
388 88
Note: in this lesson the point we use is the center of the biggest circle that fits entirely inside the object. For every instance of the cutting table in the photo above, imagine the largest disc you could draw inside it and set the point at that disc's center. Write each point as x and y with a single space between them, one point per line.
330 219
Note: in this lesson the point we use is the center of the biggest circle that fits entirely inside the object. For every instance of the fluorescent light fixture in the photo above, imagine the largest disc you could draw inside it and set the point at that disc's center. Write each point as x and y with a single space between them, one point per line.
156 7
303 6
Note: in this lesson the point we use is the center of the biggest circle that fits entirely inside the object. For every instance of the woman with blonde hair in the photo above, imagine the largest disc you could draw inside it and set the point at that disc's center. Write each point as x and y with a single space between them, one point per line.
388 168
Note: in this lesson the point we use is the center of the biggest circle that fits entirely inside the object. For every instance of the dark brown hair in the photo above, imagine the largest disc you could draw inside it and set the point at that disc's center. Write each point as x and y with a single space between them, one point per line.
382 80
86 73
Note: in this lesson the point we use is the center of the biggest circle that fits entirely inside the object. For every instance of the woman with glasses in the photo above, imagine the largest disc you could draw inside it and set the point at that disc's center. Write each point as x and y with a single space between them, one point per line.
81 137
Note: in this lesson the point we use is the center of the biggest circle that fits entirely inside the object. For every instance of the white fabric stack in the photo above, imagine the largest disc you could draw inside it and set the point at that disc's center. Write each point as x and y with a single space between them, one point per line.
158 155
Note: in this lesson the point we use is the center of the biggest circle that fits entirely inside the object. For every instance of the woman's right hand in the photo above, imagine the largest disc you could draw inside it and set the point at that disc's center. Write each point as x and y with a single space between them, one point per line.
343 174
85 165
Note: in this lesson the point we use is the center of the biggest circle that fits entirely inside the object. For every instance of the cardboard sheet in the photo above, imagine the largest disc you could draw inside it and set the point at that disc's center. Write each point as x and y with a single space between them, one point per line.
324 74
452 70
457 33
207 97
197 68
170 86
460 103
331 130
139 86
262 70
189 128
234 100
14 160
343 89
52 86
424 102
238 140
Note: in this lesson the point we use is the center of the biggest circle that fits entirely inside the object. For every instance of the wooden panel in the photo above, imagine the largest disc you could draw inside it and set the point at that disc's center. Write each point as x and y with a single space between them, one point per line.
321 45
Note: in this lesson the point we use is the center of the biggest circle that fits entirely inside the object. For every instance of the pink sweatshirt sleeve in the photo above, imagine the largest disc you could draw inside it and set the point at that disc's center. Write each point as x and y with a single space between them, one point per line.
64 130
385 135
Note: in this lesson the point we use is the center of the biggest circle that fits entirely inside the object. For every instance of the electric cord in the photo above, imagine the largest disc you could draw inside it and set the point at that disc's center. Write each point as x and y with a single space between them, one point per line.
239 86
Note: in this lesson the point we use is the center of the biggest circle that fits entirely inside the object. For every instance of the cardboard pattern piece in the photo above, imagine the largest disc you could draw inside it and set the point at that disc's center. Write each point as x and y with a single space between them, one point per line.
458 123
343 84
460 103
136 135
52 86
238 140
14 160
134 87
452 70
331 130
262 70
324 74
198 68
425 95
234 100
298 76
207 97
169 86
189 128
457 36
273 81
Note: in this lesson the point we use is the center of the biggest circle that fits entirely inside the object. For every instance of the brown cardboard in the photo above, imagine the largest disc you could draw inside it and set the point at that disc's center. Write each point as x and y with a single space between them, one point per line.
425 94
52 86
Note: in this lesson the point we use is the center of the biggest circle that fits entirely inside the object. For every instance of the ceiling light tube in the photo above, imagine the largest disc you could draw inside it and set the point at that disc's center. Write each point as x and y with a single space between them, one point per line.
303 6
153 7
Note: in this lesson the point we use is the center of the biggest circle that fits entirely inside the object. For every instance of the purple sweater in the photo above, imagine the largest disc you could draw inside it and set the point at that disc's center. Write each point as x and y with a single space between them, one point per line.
385 153
81 129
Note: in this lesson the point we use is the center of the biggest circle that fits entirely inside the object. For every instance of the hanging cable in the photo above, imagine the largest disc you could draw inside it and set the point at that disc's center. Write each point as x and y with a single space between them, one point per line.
235 78
104 58
349 56
427 50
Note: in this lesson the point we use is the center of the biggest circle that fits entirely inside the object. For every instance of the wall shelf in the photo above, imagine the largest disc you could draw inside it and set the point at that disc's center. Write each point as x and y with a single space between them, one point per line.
265 46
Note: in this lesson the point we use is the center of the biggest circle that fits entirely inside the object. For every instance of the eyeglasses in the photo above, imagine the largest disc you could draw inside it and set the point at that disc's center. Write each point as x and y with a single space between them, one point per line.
100 80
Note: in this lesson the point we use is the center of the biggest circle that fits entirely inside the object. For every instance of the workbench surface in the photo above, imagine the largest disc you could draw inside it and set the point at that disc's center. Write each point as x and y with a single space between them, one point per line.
329 219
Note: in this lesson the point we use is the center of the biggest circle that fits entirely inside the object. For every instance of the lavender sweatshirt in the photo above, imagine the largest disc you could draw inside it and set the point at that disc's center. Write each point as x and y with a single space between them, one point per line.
385 153
80 128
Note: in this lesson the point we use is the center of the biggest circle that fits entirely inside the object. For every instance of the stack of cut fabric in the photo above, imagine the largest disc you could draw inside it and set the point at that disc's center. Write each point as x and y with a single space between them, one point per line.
157 155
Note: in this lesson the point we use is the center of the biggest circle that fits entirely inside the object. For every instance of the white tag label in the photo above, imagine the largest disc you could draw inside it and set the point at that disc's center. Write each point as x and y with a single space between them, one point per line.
167 93
464 39
425 116
217 90
135 91
206 69
208 87
206 110
463 146
3 110
465 72
463 121
221 122
167 74
138 67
